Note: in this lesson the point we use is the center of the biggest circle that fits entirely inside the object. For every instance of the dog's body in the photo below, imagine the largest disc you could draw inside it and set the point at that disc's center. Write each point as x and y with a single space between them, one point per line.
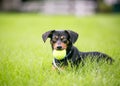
64 40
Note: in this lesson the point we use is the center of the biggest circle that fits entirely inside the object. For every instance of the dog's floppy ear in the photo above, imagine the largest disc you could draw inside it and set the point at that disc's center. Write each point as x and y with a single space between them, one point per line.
73 36
47 34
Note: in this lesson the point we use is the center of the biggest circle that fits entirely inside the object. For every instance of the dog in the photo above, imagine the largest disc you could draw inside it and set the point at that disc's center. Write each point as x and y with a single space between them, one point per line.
64 39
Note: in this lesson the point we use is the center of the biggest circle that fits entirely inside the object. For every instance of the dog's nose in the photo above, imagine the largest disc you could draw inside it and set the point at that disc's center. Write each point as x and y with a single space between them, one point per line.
59 47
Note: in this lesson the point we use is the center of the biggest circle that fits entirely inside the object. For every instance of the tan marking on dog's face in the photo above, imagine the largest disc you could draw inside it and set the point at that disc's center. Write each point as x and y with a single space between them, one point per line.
62 37
64 46
56 37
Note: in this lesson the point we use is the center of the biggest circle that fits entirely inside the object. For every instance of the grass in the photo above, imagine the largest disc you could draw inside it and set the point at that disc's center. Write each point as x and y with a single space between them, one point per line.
26 61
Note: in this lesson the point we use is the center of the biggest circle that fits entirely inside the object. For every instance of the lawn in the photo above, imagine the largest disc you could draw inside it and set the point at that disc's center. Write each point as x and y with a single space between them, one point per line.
25 60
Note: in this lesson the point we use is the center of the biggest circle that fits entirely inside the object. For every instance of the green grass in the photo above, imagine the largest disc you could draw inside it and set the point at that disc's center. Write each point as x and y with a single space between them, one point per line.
26 61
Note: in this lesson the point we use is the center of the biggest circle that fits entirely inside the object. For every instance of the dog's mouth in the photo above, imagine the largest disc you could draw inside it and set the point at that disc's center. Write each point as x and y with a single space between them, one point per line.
59 48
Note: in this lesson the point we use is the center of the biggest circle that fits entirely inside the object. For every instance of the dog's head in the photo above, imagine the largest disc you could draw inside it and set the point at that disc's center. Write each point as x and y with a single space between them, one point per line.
60 39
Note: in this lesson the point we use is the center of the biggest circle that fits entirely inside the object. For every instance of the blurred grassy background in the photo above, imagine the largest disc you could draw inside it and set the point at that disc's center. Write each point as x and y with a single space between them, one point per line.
26 61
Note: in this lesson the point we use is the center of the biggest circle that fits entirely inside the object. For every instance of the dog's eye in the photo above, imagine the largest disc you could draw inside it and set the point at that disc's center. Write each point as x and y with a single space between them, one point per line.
54 40
64 40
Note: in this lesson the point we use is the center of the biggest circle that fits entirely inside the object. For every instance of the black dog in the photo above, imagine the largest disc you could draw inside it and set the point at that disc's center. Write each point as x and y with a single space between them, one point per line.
65 39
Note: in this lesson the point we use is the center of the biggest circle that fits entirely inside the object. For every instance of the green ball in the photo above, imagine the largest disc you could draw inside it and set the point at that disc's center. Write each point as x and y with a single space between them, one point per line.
59 54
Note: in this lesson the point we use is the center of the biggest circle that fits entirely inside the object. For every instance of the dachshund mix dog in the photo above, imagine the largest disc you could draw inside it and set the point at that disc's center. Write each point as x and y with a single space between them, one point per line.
64 39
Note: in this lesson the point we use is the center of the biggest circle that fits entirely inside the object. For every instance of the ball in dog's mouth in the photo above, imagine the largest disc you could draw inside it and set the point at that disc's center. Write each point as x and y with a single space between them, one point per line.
59 54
